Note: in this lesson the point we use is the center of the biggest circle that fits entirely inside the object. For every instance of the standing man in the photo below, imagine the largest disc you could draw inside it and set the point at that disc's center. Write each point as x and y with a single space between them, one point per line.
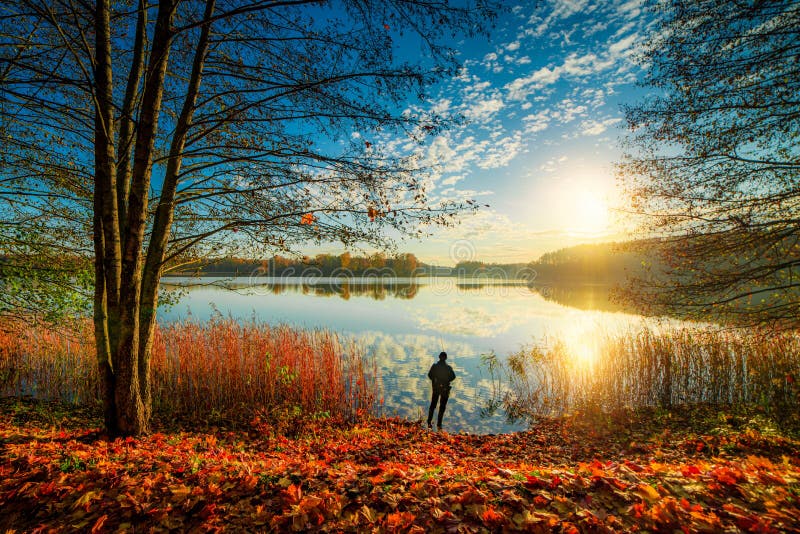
441 375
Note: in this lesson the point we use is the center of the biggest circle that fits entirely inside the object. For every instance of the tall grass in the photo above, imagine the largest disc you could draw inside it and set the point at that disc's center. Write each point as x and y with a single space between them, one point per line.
663 367
218 369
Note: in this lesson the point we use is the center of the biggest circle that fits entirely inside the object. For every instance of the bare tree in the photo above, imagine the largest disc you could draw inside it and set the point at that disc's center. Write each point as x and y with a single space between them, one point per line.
199 126
714 160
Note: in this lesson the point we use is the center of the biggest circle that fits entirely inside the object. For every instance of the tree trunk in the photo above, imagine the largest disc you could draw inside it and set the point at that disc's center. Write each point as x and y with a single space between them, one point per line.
102 344
132 419
154 262
105 223
131 380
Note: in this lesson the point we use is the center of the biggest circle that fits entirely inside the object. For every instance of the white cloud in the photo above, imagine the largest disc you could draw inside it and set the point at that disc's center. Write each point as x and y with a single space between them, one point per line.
558 10
484 109
594 28
522 87
441 106
500 153
536 122
623 44
593 127
574 65
514 45
586 64
630 9
477 87
453 180
441 153
569 110
552 165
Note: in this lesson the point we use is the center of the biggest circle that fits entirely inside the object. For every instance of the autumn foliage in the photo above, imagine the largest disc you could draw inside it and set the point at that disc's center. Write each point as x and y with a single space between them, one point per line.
696 470
220 370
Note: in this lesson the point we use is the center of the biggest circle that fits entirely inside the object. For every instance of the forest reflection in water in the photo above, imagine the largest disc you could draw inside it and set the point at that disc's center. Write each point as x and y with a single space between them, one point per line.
580 296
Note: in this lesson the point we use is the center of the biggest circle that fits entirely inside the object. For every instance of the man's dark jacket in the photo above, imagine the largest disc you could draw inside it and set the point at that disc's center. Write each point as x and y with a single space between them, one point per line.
441 375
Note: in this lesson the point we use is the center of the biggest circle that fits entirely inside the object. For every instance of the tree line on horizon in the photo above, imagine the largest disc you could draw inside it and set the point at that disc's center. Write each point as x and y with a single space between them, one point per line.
600 263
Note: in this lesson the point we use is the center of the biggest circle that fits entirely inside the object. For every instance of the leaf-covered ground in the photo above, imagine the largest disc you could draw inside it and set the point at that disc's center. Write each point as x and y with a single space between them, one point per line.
629 472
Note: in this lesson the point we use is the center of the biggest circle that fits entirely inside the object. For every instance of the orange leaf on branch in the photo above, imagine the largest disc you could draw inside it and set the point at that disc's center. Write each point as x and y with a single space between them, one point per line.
373 214
307 218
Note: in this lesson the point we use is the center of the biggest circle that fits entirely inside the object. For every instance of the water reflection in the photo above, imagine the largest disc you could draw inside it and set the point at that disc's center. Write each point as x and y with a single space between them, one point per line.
582 296
405 323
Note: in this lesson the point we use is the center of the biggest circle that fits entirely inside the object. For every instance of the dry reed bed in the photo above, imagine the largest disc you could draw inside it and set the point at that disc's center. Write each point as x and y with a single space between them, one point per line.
669 366
221 368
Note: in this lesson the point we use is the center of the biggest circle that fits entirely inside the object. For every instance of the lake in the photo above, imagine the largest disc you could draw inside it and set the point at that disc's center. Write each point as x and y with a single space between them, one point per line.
405 323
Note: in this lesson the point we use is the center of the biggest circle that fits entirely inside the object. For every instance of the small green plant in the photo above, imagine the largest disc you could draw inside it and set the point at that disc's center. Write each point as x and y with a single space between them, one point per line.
70 464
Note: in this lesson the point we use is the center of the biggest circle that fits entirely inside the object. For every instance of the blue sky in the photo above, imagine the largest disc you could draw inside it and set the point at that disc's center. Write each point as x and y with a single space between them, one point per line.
542 96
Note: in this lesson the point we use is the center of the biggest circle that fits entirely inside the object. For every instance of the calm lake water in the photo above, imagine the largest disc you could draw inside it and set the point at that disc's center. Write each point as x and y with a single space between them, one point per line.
405 323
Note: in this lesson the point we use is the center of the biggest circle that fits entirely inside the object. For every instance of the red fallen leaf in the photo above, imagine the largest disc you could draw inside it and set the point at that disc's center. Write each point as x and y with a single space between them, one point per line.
690 470
540 502
534 482
619 484
386 27
47 488
555 481
728 475
399 520
636 468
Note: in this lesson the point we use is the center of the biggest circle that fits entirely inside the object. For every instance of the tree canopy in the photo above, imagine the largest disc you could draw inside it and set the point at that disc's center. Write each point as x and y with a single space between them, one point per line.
714 160
190 127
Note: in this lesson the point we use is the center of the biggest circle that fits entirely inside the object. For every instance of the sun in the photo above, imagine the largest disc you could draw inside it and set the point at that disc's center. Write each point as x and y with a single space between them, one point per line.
591 214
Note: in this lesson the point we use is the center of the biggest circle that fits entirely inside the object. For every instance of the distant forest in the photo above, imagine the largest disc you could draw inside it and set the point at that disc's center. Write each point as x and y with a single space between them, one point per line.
604 263
404 265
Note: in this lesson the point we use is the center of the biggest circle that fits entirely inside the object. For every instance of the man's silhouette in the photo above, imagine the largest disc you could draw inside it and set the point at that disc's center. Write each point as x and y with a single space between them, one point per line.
441 375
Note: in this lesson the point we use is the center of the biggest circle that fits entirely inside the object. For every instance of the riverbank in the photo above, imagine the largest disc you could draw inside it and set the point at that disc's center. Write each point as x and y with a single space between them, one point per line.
700 469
